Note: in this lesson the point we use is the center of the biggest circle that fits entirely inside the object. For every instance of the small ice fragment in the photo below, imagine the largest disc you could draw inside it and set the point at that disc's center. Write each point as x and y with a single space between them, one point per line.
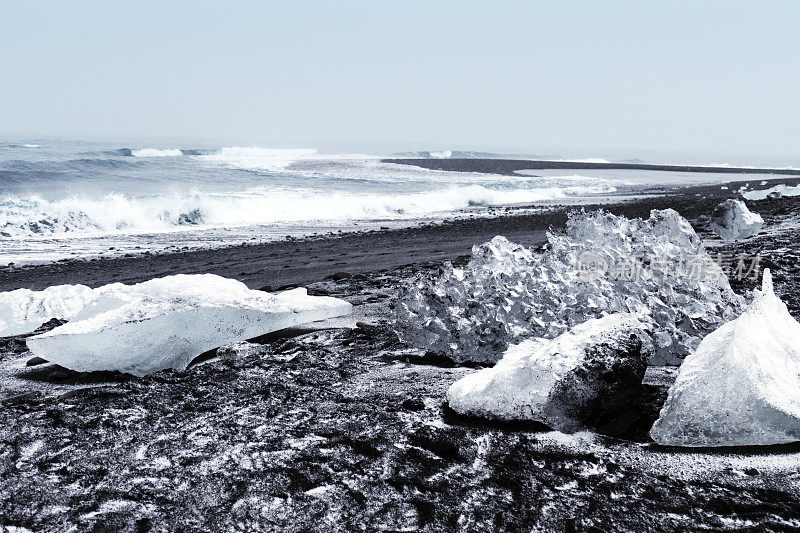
238 350
732 220
663 339
778 191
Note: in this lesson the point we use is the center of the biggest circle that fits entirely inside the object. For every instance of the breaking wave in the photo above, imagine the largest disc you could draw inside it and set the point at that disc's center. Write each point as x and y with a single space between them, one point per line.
272 159
447 154
253 158
238 157
460 154
243 157
36 217
24 146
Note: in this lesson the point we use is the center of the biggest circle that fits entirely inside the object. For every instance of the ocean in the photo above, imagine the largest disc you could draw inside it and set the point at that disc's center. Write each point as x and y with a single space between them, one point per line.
65 199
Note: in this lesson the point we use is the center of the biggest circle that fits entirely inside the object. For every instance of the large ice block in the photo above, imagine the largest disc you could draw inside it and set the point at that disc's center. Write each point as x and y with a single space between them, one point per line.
732 220
166 322
566 383
601 264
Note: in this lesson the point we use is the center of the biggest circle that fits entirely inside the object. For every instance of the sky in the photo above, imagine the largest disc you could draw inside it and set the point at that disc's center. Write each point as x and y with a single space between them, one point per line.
704 76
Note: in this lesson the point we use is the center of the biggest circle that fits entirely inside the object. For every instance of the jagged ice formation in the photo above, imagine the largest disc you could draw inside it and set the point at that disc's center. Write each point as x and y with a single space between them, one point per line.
600 264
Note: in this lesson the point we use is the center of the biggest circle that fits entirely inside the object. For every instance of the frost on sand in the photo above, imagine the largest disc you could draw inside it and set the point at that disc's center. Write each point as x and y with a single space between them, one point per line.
166 322
566 383
601 264
742 385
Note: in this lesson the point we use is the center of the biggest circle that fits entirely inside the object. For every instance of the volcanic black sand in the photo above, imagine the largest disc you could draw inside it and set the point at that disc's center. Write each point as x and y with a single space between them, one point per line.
345 429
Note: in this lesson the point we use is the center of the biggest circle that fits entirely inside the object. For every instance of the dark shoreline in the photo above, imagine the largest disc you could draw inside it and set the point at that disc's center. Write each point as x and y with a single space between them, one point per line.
346 429
301 261
510 166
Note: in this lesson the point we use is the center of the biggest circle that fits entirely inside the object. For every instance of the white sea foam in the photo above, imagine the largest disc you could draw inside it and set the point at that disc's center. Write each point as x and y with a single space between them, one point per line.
163 194
269 159
38 217
283 188
156 152
281 191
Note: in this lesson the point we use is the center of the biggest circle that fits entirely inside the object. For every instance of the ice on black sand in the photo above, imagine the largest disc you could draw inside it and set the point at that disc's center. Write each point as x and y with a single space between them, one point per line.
655 267
166 322
566 383
732 220
24 310
742 385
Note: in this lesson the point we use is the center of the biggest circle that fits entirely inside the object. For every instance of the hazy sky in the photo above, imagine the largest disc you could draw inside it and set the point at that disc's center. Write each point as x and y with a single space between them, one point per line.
698 75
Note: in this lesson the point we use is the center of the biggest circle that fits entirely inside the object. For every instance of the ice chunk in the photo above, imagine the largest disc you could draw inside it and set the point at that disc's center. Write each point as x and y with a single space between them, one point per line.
742 385
23 310
166 322
566 383
777 191
600 264
732 220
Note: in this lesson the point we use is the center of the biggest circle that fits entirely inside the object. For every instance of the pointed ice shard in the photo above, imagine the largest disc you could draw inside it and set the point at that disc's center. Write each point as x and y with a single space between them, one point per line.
742 385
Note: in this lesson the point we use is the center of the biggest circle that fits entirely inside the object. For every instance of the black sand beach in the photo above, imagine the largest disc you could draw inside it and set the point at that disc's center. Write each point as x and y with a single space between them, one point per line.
345 429
395 267
510 166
